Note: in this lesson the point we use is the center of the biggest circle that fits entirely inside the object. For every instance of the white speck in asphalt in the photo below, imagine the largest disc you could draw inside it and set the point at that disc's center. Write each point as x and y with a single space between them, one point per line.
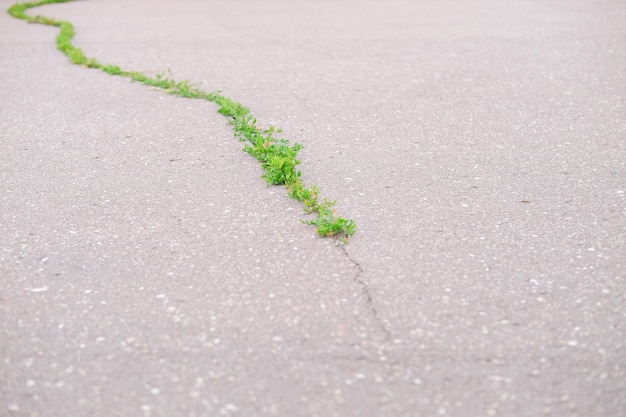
30 383
339 399
154 391
572 343
228 408
40 289
417 381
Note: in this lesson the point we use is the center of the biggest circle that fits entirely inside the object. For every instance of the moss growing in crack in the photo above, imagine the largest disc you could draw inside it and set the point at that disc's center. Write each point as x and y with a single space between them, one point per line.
278 157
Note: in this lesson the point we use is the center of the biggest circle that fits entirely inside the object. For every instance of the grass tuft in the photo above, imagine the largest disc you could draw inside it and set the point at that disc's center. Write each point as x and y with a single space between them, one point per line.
277 156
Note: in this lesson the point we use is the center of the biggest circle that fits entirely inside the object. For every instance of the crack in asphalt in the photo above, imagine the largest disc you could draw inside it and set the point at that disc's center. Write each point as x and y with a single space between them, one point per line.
369 301
277 156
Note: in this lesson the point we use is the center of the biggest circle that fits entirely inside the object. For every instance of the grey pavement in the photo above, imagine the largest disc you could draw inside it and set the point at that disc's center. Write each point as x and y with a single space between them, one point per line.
146 270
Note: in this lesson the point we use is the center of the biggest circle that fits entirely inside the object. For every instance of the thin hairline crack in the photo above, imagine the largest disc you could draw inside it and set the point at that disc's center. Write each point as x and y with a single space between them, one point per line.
369 300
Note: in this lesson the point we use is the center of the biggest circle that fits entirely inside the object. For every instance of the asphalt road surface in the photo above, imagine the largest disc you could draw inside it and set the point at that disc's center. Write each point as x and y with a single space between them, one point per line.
146 269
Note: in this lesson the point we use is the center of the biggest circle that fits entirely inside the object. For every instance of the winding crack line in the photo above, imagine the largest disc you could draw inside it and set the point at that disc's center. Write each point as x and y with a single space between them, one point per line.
276 155
369 301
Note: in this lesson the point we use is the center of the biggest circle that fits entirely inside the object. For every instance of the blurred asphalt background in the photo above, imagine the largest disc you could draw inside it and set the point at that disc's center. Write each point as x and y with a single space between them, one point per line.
146 270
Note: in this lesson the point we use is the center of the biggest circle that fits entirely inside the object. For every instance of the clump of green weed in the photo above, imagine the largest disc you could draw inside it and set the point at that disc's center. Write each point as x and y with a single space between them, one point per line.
328 224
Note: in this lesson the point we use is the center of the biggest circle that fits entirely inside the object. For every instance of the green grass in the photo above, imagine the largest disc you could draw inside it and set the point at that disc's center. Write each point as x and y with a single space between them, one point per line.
277 156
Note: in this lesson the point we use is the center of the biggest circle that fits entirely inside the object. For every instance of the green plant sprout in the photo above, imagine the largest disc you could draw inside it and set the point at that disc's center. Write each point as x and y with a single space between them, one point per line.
277 156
